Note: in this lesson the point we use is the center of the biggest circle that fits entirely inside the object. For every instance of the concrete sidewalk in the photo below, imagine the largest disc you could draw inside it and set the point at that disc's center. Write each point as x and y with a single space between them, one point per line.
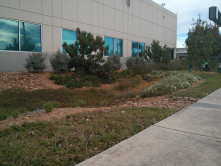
189 137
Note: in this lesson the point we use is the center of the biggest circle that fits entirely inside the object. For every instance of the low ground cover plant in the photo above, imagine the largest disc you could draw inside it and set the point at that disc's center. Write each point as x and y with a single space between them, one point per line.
170 82
75 139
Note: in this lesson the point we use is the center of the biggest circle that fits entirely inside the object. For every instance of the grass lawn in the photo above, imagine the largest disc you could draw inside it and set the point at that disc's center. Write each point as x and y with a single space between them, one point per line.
76 138
211 84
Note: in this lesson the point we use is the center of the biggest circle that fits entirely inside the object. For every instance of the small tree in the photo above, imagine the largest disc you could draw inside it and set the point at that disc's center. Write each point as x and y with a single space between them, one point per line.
84 46
157 53
202 42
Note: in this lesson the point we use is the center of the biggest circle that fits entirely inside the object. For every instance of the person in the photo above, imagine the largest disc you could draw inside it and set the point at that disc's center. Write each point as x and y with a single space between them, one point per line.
206 66
190 68
218 67
203 66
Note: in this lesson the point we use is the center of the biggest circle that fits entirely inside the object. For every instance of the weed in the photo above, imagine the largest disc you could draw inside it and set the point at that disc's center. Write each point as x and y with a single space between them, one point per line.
48 107
104 103
15 114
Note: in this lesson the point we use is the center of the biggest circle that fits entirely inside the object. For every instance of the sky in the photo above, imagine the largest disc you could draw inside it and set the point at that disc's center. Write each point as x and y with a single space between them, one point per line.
187 10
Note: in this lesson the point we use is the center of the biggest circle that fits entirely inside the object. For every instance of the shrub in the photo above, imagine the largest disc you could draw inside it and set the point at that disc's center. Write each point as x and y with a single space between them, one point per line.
59 80
69 84
80 103
83 47
132 61
22 110
59 62
104 103
115 61
52 76
35 63
15 114
55 104
3 116
48 107
174 80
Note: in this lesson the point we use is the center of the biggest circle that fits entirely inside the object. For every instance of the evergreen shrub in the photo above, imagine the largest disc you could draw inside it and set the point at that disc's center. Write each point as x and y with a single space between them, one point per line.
115 60
59 62
35 63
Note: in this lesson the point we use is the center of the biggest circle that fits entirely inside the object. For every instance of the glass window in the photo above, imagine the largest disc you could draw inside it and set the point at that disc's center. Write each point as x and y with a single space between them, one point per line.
68 36
9 39
134 49
118 47
109 41
30 37
141 49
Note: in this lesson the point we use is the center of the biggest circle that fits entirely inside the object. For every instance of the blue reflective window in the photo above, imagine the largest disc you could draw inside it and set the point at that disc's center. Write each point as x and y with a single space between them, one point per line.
30 37
109 41
68 36
141 49
9 39
118 47
134 49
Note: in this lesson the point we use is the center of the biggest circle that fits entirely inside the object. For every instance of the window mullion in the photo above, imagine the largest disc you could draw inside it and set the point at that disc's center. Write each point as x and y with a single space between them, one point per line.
19 48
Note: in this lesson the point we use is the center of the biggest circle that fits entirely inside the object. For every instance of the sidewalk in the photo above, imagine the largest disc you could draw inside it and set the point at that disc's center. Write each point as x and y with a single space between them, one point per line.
189 137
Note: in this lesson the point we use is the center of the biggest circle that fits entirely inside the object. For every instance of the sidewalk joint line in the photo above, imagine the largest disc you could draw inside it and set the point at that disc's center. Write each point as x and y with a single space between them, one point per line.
188 132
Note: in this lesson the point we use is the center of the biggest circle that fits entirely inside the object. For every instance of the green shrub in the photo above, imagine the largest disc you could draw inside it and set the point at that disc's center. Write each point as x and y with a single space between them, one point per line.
22 110
15 114
55 104
59 80
81 103
52 76
132 61
3 116
104 103
69 84
35 63
115 60
48 107
59 62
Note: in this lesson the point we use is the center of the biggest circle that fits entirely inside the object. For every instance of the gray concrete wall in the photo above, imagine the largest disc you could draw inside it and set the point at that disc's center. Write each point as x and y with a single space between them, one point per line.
14 61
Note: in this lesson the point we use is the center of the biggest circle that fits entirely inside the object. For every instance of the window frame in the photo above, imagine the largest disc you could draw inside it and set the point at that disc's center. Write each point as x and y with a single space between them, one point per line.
137 47
113 46
19 38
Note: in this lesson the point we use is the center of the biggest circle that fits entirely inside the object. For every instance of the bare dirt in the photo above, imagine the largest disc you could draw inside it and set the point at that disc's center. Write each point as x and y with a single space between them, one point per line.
31 82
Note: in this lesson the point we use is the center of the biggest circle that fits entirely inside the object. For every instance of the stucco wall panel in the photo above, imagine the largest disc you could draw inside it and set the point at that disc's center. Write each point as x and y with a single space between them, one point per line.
69 24
155 15
136 7
126 23
47 20
70 10
9 13
119 21
94 29
10 3
142 28
31 5
56 8
109 17
143 10
136 23
84 27
101 15
47 38
84 11
119 5
30 17
109 3
47 7
95 14
57 39
56 22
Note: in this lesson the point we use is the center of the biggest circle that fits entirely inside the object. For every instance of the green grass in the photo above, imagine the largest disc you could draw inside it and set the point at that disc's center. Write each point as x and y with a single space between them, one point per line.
211 84
13 100
76 138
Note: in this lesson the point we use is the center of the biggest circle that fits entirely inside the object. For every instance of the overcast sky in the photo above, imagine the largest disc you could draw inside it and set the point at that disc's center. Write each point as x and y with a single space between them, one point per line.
188 9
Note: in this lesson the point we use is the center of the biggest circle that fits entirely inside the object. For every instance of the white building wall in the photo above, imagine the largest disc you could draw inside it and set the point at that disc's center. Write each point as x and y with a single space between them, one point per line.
143 21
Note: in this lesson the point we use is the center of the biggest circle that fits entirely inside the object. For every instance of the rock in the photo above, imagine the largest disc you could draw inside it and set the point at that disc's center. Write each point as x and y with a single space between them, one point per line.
123 112
31 133
135 105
